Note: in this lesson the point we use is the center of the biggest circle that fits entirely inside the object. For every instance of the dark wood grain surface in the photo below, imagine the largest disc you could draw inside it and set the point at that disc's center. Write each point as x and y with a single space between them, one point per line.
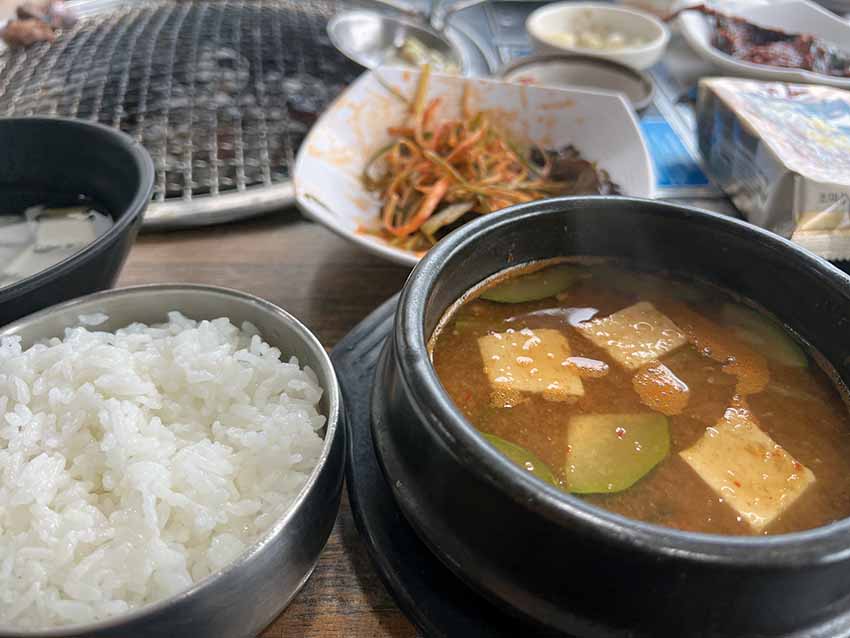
330 285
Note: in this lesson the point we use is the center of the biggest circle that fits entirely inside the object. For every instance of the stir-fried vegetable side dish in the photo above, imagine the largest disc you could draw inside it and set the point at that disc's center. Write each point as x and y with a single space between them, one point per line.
438 173
662 400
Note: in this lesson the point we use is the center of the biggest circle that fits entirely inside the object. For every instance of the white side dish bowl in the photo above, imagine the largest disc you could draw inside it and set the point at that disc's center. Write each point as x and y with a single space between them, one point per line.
628 36
329 167
792 16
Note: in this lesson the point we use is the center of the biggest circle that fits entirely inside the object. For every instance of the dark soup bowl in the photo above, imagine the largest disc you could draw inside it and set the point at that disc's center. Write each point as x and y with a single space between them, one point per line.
551 556
57 162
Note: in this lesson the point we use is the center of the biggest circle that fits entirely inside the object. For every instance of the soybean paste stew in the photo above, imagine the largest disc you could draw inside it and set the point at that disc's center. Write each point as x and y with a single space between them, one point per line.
659 399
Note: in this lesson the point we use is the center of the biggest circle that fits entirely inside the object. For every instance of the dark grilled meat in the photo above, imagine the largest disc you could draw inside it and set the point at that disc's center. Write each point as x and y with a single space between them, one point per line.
37 22
772 47
24 33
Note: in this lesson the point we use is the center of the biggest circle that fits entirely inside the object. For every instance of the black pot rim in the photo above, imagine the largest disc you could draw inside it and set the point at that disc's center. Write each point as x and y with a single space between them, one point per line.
821 545
131 214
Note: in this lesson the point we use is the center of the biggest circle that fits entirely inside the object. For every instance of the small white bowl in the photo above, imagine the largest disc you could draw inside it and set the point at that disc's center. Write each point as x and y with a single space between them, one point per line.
544 24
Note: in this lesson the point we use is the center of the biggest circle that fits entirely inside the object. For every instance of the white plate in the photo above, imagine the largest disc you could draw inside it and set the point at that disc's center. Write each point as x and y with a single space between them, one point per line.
327 176
793 16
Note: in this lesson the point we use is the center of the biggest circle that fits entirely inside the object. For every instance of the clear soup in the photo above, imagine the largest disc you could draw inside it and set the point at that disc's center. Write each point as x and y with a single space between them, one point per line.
663 400
41 236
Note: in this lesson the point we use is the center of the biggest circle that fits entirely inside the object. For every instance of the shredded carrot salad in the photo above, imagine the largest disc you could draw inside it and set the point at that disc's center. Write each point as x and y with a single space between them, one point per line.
437 171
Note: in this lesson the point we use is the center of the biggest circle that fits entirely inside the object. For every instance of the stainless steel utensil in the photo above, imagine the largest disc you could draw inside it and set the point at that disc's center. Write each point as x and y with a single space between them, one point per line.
372 38
241 599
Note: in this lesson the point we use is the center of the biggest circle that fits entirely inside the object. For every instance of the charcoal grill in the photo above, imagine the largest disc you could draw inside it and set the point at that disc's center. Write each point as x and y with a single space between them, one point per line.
221 92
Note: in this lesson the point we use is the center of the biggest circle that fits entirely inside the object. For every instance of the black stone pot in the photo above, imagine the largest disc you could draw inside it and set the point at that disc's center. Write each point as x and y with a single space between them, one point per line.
52 160
549 555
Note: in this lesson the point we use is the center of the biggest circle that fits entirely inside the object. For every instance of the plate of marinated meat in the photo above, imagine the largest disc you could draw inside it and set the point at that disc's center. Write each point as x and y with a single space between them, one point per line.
791 40
403 157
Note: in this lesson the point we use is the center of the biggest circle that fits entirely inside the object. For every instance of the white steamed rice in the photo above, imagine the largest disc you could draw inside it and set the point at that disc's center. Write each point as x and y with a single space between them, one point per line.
136 463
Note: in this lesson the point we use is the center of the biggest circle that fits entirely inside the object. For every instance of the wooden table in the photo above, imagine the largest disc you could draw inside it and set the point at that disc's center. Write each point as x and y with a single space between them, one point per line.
330 285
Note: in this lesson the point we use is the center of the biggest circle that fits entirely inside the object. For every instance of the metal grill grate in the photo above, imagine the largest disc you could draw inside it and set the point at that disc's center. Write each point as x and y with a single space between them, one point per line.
221 92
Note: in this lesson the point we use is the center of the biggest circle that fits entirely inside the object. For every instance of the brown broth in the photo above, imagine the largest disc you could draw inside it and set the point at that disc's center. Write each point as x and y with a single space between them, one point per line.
807 416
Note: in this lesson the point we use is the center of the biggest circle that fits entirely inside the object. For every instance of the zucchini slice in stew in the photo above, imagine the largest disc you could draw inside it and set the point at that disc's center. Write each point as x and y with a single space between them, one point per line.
611 452
765 335
533 286
524 458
